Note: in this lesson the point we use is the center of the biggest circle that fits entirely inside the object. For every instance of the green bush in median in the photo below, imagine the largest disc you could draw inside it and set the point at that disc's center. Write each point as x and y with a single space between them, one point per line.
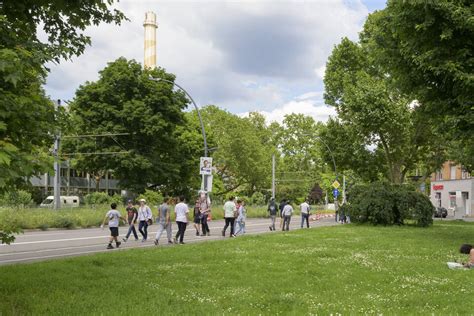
388 204
16 199
102 198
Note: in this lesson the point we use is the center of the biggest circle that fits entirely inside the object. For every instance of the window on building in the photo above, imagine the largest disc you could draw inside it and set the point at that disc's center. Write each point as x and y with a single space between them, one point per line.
438 198
452 199
439 175
453 173
465 175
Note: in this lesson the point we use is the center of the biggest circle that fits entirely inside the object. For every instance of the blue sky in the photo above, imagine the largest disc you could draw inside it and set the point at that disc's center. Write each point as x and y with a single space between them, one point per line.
248 55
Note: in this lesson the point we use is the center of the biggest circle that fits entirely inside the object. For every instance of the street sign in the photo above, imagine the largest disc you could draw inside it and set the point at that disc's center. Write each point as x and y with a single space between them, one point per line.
335 192
336 184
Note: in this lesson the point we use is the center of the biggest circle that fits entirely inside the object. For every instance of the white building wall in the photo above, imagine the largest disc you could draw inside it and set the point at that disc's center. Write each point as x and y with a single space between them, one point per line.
454 193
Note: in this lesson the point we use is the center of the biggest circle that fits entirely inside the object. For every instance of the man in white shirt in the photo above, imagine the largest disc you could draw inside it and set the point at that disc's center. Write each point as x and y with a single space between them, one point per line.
113 216
181 210
144 215
229 216
287 212
305 211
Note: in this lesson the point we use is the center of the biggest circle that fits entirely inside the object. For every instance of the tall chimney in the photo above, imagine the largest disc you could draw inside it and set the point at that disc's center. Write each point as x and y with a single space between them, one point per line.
150 40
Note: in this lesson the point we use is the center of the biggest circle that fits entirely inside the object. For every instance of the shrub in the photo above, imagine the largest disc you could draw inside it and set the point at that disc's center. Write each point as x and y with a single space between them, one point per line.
257 199
102 198
153 198
19 199
387 204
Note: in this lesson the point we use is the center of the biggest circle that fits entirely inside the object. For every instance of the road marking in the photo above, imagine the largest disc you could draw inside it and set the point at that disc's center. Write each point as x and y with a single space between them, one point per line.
85 238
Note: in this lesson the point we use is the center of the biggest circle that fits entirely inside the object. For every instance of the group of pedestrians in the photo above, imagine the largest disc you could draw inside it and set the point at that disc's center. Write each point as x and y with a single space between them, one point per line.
234 213
235 216
286 212
144 217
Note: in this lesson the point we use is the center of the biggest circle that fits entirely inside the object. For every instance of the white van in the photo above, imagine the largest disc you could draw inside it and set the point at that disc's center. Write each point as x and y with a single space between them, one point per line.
66 201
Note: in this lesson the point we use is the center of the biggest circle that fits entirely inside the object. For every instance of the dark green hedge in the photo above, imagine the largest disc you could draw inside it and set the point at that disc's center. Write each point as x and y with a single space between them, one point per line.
388 204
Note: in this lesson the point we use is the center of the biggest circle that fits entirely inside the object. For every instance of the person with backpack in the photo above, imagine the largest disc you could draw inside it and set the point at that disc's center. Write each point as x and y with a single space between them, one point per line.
272 210
164 222
132 215
144 217
113 216
287 212
204 209
229 216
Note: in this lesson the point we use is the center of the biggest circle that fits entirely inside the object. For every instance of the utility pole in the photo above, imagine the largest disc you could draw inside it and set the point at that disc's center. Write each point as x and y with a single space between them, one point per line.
57 166
343 189
273 176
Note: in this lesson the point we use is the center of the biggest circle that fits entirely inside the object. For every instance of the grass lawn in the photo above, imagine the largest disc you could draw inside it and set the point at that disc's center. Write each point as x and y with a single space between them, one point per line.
342 269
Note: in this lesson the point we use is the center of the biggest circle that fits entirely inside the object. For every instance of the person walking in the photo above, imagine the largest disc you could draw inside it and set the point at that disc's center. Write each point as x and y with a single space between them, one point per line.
181 210
144 215
113 216
197 217
163 221
241 217
229 216
204 209
305 211
287 212
272 210
132 215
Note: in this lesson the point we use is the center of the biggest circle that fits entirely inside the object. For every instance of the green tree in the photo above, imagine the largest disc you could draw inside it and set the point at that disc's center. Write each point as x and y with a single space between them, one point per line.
427 47
299 163
368 103
350 151
125 100
28 119
240 150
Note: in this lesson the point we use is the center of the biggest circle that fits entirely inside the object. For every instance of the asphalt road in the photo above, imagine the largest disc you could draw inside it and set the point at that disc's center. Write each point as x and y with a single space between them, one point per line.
46 245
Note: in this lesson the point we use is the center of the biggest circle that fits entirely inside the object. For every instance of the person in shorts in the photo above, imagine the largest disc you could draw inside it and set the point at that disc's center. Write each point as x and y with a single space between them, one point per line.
113 216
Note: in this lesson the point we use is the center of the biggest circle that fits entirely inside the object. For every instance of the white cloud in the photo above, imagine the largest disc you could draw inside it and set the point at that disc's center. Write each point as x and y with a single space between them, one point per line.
319 112
246 55
318 95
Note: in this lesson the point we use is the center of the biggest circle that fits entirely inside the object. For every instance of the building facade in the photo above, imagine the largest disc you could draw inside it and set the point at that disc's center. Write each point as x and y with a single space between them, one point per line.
452 188
74 182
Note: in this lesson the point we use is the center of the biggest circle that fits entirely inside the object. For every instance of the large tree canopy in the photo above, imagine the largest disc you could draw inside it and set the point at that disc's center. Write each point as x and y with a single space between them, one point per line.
378 114
27 117
63 21
125 100
427 48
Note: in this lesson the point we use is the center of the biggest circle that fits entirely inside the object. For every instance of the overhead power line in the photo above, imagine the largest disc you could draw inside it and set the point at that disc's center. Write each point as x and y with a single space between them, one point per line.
98 153
95 135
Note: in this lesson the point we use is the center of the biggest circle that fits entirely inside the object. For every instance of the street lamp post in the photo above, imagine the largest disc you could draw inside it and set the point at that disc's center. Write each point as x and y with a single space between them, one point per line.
203 131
